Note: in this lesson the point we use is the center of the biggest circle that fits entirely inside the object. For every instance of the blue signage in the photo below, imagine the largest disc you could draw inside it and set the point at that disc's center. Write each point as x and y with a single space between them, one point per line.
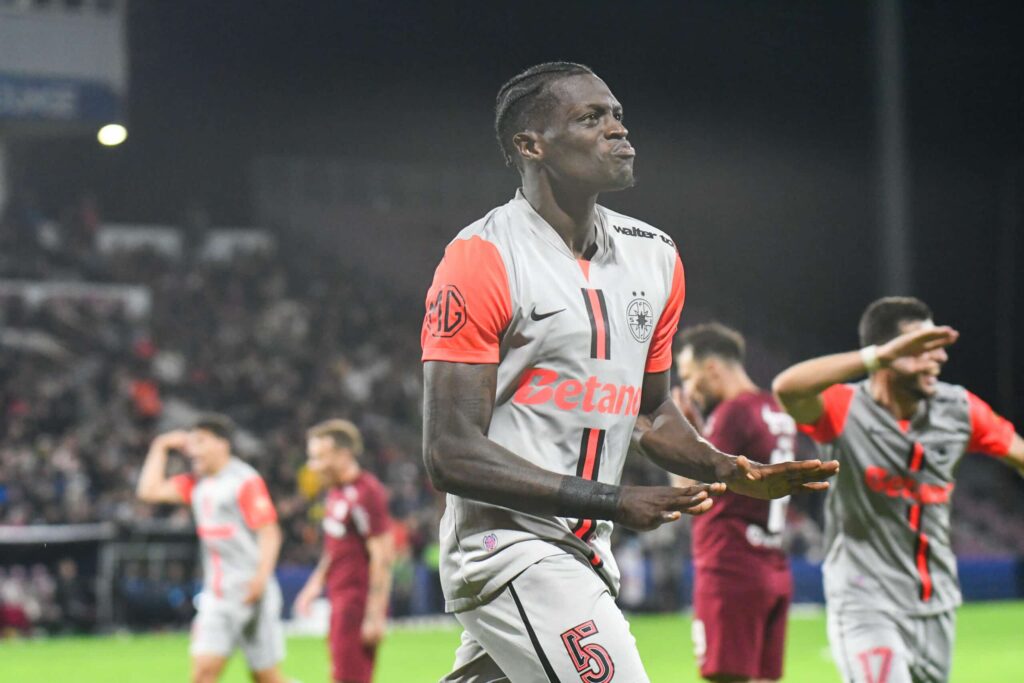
28 98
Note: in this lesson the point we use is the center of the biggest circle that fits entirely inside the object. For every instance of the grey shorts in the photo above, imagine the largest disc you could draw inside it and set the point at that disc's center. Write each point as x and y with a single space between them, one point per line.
221 627
554 622
877 647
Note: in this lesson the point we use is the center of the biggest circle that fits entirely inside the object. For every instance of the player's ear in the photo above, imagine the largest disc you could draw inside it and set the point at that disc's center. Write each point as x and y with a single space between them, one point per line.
527 144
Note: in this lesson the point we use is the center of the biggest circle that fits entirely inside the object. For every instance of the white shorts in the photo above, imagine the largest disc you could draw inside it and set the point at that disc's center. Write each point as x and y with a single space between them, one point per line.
220 627
870 646
554 622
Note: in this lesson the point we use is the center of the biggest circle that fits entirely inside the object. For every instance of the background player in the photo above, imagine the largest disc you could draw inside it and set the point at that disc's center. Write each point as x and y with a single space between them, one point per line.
240 605
356 562
548 329
742 584
890 574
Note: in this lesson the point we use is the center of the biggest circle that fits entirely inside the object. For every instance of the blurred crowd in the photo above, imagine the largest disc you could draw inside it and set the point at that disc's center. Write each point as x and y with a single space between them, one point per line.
278 339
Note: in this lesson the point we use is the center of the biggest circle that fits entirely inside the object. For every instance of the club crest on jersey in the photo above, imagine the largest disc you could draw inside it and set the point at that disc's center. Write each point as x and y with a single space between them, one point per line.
640 318
490 542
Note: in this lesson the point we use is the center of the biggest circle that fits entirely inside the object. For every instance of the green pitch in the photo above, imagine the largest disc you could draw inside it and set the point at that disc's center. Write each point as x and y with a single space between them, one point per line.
987 651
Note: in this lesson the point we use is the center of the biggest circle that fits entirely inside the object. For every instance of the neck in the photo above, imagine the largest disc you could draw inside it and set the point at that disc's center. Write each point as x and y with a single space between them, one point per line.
901 404
348 473
571 213
218 466
735 383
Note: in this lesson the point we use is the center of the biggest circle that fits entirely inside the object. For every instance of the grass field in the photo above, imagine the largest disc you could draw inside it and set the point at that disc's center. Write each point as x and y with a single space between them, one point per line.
988 650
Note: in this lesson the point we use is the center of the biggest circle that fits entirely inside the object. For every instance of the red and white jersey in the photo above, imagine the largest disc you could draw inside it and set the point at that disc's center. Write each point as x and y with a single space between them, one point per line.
228 508
740 534
887 513
573 340
353 513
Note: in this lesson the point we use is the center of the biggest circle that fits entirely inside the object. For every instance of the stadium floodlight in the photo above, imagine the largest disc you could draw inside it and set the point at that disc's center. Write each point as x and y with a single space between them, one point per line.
112 134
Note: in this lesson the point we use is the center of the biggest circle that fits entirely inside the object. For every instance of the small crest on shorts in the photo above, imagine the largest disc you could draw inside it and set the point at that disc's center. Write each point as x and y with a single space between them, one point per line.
490 542
640 317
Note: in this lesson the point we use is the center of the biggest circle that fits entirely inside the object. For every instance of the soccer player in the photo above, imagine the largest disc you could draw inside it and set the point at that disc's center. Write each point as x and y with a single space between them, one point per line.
742 584
240 604
356 562
890 574
548 331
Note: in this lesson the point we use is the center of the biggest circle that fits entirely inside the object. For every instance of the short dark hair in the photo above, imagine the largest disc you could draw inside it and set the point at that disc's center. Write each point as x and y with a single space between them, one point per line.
344 434
714 339
882 319
525 98
217 424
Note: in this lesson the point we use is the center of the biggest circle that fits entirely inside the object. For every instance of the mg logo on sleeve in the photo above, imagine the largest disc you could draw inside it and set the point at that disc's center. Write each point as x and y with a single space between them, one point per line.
447 312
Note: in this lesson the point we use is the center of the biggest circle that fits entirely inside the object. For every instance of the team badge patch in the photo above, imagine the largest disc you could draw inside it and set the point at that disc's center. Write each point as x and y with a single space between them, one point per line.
447 312
490 542
640 318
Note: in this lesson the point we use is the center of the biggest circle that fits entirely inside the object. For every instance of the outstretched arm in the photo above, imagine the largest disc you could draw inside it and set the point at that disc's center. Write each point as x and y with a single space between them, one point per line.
799 387
460 459
665 436
382 554
154 486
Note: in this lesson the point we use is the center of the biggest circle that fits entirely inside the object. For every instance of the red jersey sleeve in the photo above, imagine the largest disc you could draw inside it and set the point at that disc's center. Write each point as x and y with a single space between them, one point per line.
727 430
378 520
659 355
254 501
836 400
991 433
185 483
469 304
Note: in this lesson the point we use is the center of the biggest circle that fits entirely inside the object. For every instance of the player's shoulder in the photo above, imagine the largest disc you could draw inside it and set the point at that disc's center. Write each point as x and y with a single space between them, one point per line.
369 481
950 398
496 227
242 471
634 232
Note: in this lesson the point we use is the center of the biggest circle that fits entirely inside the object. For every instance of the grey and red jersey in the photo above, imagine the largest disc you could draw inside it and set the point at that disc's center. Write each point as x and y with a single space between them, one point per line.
887 514
228 508
572 339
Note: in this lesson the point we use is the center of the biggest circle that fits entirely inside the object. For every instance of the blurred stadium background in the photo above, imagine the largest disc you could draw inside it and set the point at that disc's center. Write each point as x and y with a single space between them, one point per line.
261 242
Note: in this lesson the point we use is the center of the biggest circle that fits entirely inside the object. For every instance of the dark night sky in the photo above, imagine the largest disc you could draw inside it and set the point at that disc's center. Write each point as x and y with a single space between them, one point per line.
754 124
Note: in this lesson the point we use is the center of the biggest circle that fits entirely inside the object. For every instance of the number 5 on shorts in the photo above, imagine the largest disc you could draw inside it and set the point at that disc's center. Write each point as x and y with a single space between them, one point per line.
591 660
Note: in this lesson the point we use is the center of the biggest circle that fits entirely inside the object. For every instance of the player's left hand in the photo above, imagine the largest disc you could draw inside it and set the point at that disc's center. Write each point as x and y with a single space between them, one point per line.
775 481
372 631
255 591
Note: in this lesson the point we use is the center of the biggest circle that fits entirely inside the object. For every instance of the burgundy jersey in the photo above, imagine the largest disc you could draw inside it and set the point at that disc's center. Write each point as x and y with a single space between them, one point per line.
353 513
739 529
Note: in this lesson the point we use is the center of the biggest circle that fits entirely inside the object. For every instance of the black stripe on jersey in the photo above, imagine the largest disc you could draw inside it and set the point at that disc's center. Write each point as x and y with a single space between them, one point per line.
581 471
593 323
552 678
607 326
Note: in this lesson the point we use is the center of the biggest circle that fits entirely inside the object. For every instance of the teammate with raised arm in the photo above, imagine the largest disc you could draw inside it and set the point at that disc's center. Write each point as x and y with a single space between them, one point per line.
742 583
890 574
240 605
548 331
358 552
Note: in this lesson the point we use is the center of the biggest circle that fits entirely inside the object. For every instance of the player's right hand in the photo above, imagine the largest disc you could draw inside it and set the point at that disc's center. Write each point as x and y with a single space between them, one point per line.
643 508
916 342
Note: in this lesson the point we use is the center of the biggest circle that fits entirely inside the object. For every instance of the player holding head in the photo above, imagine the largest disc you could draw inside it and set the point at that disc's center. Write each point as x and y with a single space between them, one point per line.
240 606
548 331
356 562
890 574
742 584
